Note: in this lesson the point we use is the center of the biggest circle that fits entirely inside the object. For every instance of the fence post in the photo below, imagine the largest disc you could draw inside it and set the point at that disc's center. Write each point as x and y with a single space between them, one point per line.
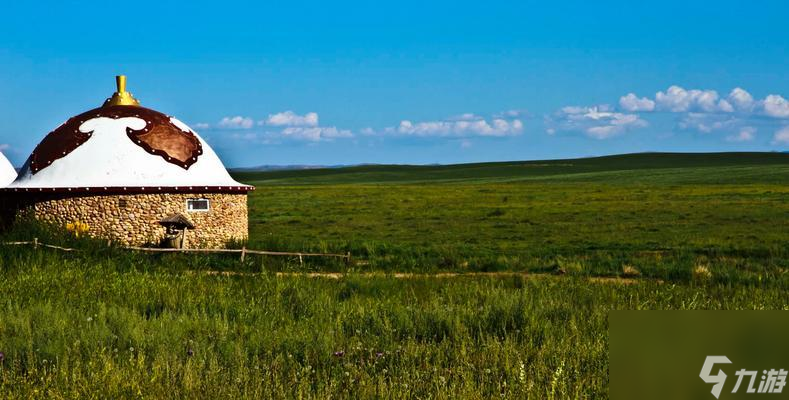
301 261
243 253
348 258
35 243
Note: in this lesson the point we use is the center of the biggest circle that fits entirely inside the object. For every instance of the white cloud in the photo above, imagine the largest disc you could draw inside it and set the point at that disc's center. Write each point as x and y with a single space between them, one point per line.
289 118
237 122
314 134
705 111
782 136
465 125
631 102
746 134
297 133
4 146
736 127
706 123
597 122
465 144
283 125
741 99
677 99
202 125
776 106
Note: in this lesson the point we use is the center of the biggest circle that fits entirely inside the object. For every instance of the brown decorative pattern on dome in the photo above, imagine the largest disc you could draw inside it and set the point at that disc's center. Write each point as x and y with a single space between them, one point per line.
58 143
160 137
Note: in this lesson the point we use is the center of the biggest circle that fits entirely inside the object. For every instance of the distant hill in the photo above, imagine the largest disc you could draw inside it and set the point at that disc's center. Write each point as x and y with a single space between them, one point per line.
266 168
599 168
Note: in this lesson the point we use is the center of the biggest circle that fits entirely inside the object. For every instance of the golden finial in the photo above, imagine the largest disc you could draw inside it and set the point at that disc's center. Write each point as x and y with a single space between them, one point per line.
121 97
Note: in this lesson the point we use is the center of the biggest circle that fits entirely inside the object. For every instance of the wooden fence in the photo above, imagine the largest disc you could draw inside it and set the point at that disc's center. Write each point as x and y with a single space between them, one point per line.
243 251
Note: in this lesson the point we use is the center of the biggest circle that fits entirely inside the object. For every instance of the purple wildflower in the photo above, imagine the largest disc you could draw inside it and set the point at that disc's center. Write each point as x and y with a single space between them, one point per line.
379 354
190 352
339 353
2 357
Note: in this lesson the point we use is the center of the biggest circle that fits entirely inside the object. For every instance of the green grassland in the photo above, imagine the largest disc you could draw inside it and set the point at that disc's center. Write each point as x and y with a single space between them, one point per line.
722 211
686 231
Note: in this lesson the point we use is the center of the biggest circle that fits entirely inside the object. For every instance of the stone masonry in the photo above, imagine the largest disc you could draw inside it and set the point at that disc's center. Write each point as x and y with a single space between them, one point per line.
134 219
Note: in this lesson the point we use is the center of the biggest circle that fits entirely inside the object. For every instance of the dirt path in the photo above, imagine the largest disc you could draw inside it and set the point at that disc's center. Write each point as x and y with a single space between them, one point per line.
439 275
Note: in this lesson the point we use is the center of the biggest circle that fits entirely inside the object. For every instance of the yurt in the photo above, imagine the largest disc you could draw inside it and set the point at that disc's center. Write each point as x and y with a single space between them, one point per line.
131 174
7 171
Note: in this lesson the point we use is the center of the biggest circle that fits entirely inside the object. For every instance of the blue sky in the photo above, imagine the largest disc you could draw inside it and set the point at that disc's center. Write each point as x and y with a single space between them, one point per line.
409 82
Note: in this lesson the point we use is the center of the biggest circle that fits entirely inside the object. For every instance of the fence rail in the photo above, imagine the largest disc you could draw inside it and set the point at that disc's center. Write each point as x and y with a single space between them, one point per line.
242 251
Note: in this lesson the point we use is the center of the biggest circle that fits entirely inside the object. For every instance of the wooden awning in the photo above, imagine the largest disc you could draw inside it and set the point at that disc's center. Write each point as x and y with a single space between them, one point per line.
177 219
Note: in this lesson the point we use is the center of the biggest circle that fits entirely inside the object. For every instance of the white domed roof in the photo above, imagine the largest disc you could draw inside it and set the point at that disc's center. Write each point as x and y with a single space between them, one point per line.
7 171
124 147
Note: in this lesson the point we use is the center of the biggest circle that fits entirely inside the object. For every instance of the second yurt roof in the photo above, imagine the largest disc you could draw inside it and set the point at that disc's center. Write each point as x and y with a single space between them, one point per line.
7 171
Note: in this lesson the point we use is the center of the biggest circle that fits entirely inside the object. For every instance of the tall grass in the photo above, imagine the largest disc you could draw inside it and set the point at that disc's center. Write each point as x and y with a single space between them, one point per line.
73 326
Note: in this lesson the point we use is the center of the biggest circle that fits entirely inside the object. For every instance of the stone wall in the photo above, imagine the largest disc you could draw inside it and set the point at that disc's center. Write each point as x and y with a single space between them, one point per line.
134 219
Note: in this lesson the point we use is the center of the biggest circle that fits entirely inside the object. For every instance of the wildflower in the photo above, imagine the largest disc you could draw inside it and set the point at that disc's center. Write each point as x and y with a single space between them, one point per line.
379 354
190 352
131 349
339 353
630 271
522 373
2 357
702 272
90 319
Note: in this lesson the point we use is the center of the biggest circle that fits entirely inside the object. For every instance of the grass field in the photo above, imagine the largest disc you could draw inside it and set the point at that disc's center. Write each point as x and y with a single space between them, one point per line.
663 221
687 231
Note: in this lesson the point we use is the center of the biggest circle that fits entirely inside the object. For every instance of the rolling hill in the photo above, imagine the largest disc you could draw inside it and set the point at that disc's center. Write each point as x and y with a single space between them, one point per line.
684 167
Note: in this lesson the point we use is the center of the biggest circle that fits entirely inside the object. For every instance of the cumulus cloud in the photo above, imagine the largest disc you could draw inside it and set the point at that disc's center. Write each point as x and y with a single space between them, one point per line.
705 111
677 99
776 106
632 103
281 119
295 133
314 133
741 100
4 146
468 125
782 136
598 122
289 118
746 134
237 122
707 123
280 126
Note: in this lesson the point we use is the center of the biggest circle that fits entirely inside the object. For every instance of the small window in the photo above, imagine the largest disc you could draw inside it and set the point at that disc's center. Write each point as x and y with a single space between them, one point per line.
197 205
